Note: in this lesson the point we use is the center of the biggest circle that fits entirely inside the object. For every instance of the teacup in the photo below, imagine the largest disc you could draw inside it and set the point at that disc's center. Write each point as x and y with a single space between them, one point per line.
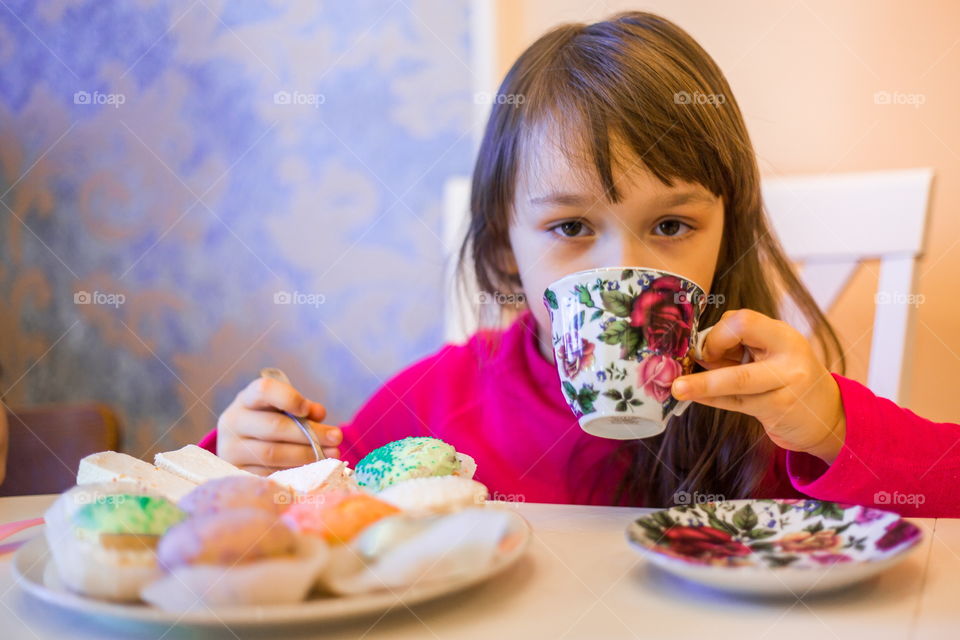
620 336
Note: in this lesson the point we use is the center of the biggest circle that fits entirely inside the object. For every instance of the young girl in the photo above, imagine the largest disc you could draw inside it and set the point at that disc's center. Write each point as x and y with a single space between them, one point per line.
628 148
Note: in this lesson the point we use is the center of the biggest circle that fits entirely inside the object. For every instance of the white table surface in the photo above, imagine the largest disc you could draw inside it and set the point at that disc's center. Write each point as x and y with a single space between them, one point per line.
579 579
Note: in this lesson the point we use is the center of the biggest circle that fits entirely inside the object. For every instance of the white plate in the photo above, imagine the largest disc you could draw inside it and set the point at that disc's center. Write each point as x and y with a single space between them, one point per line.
773 547
36 574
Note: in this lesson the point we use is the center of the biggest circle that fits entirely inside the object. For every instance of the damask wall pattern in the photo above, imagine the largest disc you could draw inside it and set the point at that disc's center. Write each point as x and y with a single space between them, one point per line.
194 190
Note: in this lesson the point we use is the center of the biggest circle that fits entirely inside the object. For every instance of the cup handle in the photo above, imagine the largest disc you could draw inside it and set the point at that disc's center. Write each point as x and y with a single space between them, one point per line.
697 350
701 338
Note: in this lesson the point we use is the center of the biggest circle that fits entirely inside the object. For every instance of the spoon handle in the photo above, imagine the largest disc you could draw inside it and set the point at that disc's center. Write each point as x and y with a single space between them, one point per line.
277 374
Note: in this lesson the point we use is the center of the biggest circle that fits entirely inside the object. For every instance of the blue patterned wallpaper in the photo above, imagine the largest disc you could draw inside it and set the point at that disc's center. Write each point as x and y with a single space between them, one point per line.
193 190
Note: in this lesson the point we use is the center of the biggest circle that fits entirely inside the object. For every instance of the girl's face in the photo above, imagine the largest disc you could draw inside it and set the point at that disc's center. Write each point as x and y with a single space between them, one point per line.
563 223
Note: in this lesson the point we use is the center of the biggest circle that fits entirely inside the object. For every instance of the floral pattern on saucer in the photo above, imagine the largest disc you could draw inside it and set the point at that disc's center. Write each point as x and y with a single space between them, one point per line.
799 534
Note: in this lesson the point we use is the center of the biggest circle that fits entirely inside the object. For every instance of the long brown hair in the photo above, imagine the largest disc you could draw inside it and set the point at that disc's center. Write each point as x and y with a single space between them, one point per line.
640 80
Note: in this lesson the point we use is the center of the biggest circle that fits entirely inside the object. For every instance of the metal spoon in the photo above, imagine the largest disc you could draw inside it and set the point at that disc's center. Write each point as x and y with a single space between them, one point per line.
277 374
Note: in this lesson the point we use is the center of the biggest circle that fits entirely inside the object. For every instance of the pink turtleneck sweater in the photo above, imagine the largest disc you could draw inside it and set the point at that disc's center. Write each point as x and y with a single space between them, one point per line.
507 410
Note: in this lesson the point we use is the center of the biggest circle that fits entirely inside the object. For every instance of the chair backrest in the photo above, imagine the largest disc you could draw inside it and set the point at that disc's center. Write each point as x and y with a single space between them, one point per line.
830 223
459 321
46 444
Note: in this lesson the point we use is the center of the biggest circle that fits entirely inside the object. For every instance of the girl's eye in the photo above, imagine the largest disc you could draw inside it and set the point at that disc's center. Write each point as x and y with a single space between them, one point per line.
670 228
570 228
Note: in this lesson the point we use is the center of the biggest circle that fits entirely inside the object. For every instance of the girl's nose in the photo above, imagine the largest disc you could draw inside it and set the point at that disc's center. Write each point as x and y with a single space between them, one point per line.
634 253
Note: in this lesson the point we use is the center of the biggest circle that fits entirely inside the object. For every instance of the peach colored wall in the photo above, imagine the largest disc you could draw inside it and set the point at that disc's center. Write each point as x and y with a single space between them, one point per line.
805 74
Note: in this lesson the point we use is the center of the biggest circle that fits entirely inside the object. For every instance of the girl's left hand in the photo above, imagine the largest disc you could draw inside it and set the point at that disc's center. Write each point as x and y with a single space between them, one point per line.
786 388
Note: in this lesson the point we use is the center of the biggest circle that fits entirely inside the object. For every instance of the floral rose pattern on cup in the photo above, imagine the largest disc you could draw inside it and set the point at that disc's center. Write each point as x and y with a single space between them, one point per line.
773 533
575 357
648 317
656 374
664 313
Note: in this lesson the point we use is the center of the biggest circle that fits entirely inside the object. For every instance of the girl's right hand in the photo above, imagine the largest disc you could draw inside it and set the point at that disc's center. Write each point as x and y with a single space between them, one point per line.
254 435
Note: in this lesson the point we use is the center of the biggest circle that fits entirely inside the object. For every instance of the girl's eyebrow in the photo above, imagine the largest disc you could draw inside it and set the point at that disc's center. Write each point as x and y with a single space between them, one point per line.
674 199
688 196
563 199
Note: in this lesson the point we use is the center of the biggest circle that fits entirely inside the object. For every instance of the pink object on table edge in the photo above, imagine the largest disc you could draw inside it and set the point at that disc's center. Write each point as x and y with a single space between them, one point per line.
7 529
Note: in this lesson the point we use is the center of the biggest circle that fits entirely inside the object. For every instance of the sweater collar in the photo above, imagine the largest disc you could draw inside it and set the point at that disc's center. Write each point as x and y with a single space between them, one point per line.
524 333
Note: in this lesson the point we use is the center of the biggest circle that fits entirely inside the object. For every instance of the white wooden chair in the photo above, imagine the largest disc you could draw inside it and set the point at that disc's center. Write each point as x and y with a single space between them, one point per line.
826 223
459 313
830 223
